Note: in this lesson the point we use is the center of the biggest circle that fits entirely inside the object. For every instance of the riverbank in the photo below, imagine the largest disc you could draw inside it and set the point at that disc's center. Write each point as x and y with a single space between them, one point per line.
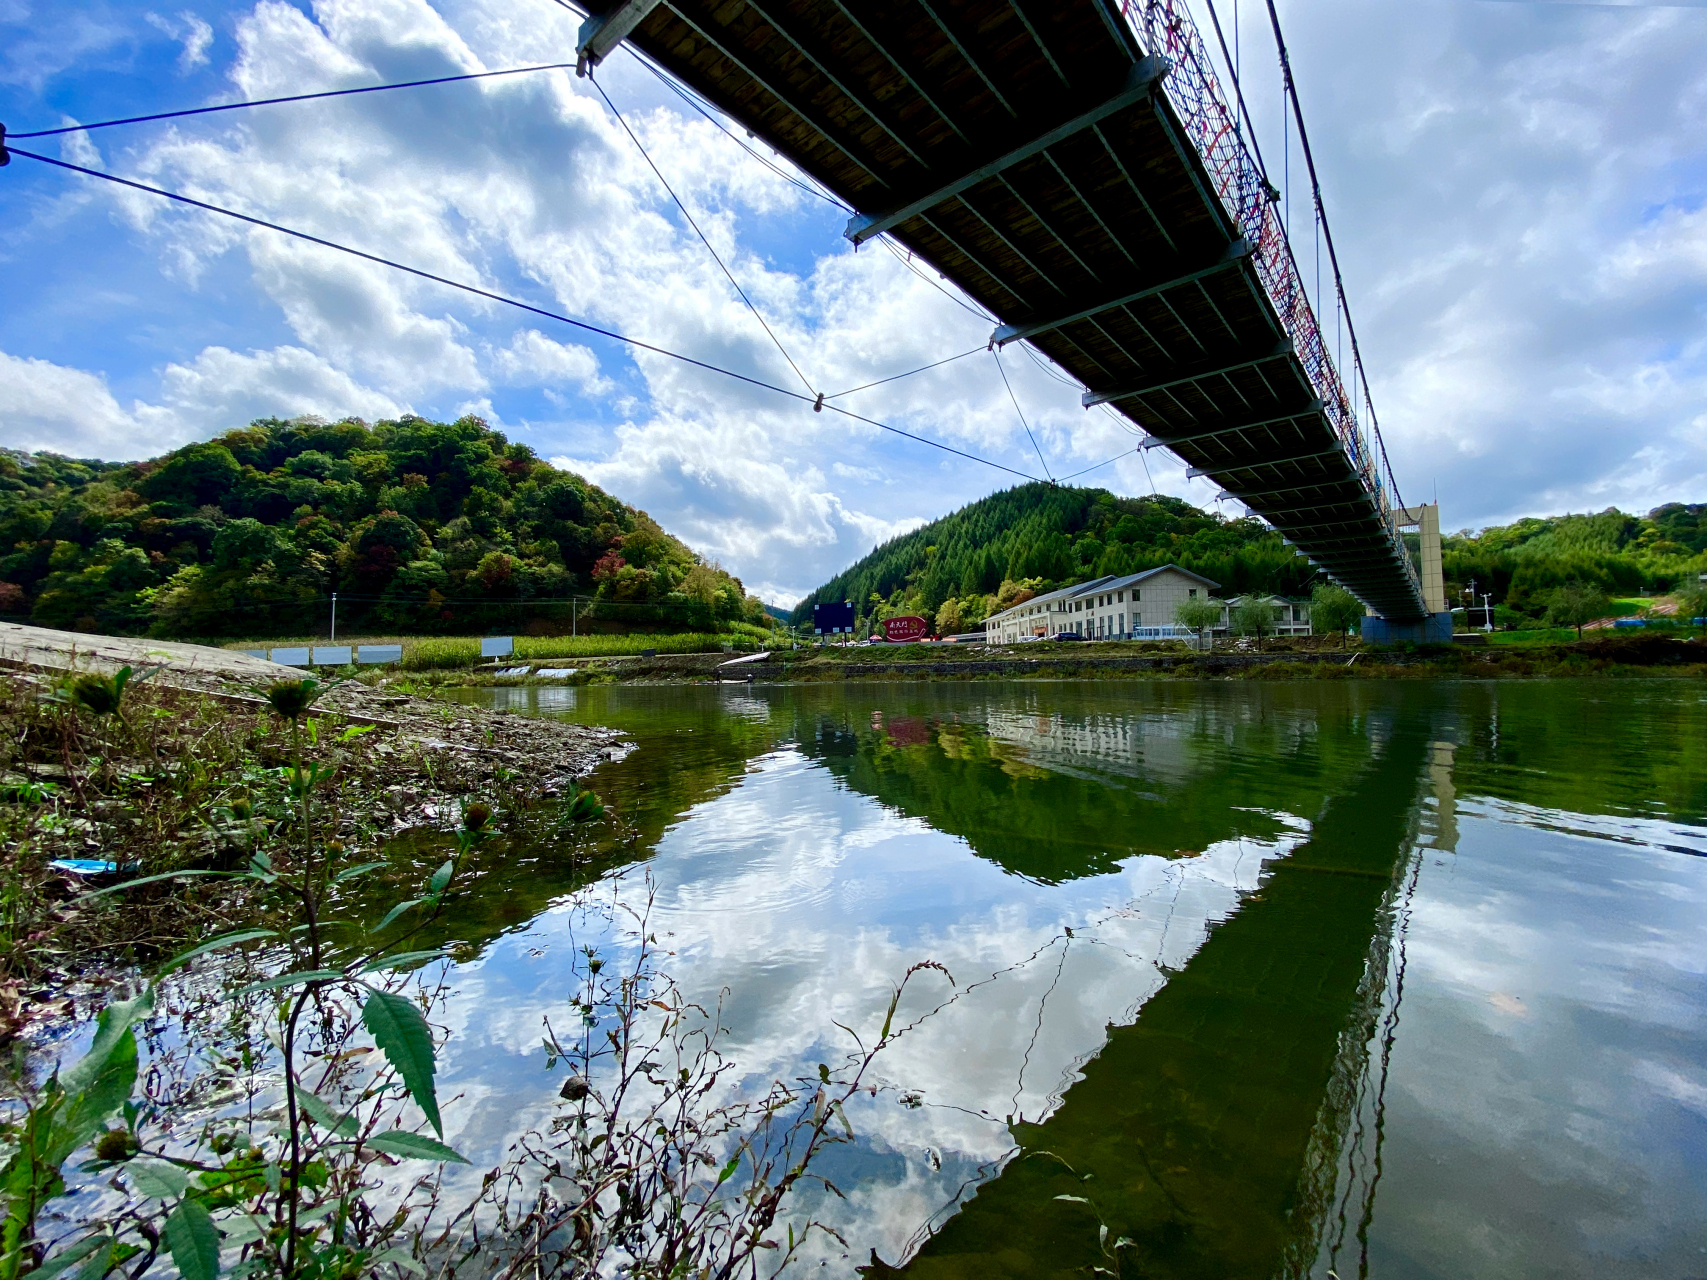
1314 658
186 767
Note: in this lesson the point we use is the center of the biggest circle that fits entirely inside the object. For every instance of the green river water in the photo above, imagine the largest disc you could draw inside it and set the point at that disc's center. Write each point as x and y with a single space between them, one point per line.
1291 979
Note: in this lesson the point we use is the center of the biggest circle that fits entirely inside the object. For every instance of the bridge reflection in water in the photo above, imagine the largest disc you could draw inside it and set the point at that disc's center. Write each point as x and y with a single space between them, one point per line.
1233 1129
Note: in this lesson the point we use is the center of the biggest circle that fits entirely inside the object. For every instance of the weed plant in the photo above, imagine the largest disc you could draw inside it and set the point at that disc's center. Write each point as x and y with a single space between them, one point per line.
266 1105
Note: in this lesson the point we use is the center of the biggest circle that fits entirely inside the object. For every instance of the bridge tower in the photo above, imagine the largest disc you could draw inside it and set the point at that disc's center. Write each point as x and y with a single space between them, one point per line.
1436 627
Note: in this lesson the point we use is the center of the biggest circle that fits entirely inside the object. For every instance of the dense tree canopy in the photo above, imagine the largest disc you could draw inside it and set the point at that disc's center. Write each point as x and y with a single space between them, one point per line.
416 525
1038 536
1524 564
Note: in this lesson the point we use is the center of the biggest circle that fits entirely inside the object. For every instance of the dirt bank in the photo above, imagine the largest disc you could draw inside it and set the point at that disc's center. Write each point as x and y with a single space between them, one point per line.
194 772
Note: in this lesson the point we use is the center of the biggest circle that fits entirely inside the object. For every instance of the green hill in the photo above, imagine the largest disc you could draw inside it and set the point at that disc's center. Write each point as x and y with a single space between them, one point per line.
1521 563
1038 536
418 526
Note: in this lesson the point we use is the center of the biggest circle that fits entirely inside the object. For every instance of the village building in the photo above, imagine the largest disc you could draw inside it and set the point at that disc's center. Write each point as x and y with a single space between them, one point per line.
1133 606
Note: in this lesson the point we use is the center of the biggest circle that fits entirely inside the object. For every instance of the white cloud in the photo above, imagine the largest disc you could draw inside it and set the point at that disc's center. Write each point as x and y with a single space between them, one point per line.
532 359
192 32
71 411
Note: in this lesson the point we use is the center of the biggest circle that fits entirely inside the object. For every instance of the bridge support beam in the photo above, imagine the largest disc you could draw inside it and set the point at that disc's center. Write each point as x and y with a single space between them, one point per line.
1236 253
602 32
1145 75
1093 398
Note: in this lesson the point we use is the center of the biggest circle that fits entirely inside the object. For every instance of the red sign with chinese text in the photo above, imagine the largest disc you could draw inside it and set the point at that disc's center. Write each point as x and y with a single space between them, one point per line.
910 627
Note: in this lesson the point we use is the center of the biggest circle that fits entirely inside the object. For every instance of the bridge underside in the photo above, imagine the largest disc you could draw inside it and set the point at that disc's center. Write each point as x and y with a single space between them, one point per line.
1029 152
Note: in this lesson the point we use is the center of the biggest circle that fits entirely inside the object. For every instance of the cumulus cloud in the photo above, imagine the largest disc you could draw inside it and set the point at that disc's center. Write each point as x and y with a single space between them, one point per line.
532 359
71 411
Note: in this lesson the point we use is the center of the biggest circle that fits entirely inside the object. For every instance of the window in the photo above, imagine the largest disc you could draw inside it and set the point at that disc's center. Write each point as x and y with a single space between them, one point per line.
1137 596
1120 597
1191 593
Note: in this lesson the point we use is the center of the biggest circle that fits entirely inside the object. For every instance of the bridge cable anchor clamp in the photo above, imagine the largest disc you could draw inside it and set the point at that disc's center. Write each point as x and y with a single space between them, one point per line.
5 155
818 407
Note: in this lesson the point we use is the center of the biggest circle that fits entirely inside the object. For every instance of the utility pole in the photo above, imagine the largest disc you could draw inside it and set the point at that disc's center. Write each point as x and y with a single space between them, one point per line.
1487 612
332 639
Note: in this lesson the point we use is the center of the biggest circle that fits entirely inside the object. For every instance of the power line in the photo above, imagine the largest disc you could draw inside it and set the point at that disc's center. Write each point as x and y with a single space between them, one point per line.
299 97
519 305
709 248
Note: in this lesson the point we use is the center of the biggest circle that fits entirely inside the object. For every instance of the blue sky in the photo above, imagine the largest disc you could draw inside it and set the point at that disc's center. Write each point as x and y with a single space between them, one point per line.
1519 191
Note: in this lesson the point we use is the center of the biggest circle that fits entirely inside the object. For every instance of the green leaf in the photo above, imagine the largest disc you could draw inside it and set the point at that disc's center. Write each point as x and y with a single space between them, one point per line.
100 1264
401 1032
156 1178
194 1241
75 1254
241 1229
290 980
728 1170
404 958
412 1146
350 873
441 877
400 1257
214 944
396 911
344 1126
355 731
110 1027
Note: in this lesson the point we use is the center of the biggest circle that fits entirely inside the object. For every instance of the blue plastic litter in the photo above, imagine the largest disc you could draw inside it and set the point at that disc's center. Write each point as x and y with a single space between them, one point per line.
88 866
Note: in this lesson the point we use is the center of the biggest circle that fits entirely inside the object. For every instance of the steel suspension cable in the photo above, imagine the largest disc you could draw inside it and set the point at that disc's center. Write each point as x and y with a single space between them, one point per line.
1021 412
298 97
583 325
706 241
1289 88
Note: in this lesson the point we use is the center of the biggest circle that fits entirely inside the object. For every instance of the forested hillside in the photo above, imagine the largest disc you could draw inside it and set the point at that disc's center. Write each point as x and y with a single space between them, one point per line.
417 525
1038 536
1523 563
1035 537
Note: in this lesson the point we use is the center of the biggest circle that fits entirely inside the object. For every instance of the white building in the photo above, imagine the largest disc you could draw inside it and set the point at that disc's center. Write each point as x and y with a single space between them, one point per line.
1291 617
1138 606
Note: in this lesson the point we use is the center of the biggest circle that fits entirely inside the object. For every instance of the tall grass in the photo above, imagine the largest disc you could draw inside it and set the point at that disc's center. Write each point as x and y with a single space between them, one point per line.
439 653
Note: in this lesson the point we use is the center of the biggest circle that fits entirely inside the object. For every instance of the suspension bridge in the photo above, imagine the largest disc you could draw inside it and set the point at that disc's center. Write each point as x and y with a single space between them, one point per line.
1077 169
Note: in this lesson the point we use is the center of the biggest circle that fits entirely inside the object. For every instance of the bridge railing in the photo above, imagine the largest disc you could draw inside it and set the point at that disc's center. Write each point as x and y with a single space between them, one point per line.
1166 27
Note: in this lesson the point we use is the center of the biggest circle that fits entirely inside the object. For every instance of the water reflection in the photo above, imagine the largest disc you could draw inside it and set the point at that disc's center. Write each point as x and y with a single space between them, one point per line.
1232 962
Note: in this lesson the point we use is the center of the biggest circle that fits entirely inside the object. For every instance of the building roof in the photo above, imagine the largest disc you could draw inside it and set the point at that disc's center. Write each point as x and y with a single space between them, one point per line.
1109 582
1116 583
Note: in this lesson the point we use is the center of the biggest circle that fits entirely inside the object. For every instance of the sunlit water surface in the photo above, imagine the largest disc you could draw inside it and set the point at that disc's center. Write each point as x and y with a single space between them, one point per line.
1394 980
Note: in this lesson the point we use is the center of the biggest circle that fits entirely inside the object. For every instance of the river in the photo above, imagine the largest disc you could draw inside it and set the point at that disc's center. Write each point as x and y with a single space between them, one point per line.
1291 979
